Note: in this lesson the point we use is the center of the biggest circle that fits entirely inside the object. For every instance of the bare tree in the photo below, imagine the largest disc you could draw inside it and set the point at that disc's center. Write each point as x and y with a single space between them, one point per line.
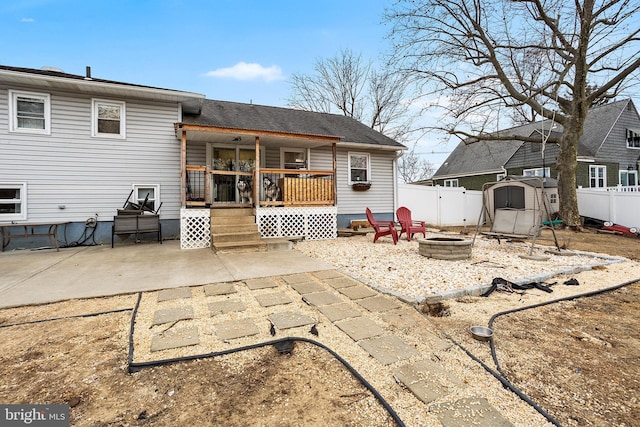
349 85
413 168
477 52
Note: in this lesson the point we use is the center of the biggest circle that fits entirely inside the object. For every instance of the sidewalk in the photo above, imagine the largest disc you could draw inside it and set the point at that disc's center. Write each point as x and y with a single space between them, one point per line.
36 277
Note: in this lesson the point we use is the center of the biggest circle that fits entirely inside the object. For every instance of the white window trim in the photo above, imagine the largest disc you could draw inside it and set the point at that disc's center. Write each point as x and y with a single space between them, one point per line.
94 119
156 190
13 111
306 152
547 172
23 201
500 176
357 153
604 176
451 181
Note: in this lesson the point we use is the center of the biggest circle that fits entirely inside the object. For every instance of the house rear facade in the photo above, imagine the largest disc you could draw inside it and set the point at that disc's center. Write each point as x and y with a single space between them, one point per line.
75 147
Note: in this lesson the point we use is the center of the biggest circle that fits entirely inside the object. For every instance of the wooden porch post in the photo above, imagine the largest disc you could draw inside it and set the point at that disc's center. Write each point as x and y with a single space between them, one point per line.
256 178
335 176
183 169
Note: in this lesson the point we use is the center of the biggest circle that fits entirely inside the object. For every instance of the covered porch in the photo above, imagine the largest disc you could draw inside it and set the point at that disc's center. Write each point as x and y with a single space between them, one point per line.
289 179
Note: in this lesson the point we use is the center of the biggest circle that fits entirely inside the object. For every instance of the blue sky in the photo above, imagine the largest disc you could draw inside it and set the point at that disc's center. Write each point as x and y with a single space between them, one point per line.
244 50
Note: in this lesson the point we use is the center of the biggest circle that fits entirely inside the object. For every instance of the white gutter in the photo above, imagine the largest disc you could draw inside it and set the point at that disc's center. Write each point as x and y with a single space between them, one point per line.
399 154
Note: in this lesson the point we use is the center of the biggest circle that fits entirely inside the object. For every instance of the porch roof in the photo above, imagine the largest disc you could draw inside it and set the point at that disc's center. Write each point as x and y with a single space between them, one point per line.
224 121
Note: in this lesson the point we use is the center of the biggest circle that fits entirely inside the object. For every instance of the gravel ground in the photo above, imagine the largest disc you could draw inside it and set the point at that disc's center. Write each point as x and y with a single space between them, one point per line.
401 270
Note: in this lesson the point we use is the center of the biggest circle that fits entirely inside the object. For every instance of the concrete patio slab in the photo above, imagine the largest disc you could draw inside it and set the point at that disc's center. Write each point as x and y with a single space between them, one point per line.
236 329
261 283
275 263
220 289
171 294
360 328
288 320
358 292
388 349
307 287
339 311
471 411
172 315
269 300
227 306
174 338
321 298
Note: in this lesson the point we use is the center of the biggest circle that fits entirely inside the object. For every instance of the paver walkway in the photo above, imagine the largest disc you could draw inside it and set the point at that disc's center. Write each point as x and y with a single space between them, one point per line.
239 313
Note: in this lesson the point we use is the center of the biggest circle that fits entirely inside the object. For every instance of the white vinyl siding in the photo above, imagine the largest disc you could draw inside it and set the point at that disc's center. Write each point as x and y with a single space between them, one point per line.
85 174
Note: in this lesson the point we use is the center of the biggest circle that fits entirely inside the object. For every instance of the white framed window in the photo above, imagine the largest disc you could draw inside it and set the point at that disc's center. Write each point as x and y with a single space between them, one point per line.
13 201
294 158
108 118
500 176
359 167
451 182
541 172
628 178
147 195
633 138
597 176
30 112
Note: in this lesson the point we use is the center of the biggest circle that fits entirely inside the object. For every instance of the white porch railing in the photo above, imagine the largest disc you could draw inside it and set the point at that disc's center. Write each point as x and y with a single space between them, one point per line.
625 188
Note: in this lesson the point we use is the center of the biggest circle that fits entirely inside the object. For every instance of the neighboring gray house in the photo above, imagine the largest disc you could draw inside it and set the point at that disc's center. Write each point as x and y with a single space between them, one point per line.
608 152
74 146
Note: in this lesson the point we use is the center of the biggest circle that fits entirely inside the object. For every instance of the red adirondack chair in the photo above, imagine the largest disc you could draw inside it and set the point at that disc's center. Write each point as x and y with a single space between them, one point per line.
382 227
408 225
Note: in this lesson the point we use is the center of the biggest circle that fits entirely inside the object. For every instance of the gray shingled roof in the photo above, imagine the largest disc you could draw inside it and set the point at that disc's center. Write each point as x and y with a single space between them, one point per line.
253 117
489 156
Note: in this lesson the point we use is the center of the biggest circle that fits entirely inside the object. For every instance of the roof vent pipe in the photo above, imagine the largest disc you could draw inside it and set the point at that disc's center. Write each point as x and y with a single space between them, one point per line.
88 72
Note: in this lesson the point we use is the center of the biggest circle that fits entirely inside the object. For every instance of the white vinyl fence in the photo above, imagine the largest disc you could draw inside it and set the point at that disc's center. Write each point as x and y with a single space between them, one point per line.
619 207
445 206
441 206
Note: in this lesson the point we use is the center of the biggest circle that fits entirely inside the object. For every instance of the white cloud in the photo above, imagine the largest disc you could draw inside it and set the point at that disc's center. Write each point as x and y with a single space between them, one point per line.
244 71
27 20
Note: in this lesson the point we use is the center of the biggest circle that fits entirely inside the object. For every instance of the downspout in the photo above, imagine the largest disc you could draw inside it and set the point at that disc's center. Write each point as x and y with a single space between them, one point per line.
399 154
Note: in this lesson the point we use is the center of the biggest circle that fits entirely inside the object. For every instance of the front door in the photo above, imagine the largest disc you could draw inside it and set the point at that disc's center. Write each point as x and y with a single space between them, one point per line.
232 174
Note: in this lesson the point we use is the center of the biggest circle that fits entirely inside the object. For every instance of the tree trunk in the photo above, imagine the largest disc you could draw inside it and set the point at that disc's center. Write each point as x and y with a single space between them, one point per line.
567 166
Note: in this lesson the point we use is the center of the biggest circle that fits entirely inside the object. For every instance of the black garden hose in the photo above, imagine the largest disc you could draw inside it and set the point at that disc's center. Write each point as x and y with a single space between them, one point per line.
137 366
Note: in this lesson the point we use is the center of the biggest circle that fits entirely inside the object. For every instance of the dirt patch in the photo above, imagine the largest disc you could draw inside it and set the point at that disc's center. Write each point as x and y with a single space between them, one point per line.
82 362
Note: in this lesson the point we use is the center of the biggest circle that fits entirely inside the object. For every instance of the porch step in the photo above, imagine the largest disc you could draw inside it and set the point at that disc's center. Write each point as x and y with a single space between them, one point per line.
237 246
233 221
235 230
246 235
232 212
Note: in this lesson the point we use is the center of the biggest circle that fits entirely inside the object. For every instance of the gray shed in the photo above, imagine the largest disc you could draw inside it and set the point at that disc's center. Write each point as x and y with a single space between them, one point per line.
521 193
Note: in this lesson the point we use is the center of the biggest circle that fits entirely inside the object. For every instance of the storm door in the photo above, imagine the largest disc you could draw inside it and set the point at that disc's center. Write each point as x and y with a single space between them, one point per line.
232 174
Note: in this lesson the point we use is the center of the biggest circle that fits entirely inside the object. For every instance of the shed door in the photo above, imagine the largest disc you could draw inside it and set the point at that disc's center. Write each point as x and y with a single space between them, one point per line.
508 196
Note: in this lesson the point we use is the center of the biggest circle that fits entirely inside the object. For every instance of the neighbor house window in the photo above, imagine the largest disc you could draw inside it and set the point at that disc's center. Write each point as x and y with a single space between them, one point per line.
633 138
30 112
553 198
597 176
359 167
501 176
628 178
147 195
13 201
108 118
541 172
451 182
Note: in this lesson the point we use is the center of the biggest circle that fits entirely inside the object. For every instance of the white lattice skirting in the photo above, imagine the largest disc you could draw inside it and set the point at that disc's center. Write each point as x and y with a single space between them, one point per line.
195 228
314 223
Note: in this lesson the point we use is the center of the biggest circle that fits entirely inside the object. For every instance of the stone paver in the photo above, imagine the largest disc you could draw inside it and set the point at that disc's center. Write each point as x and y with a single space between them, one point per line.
360 328
290 319
358 292
379 303
307 287
172 315
341 282
227 306
388 349
219 289
269 300
176 293
427 380
236 329
296 278
174 338
340 311
327 274
475 411
321 298
260 283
